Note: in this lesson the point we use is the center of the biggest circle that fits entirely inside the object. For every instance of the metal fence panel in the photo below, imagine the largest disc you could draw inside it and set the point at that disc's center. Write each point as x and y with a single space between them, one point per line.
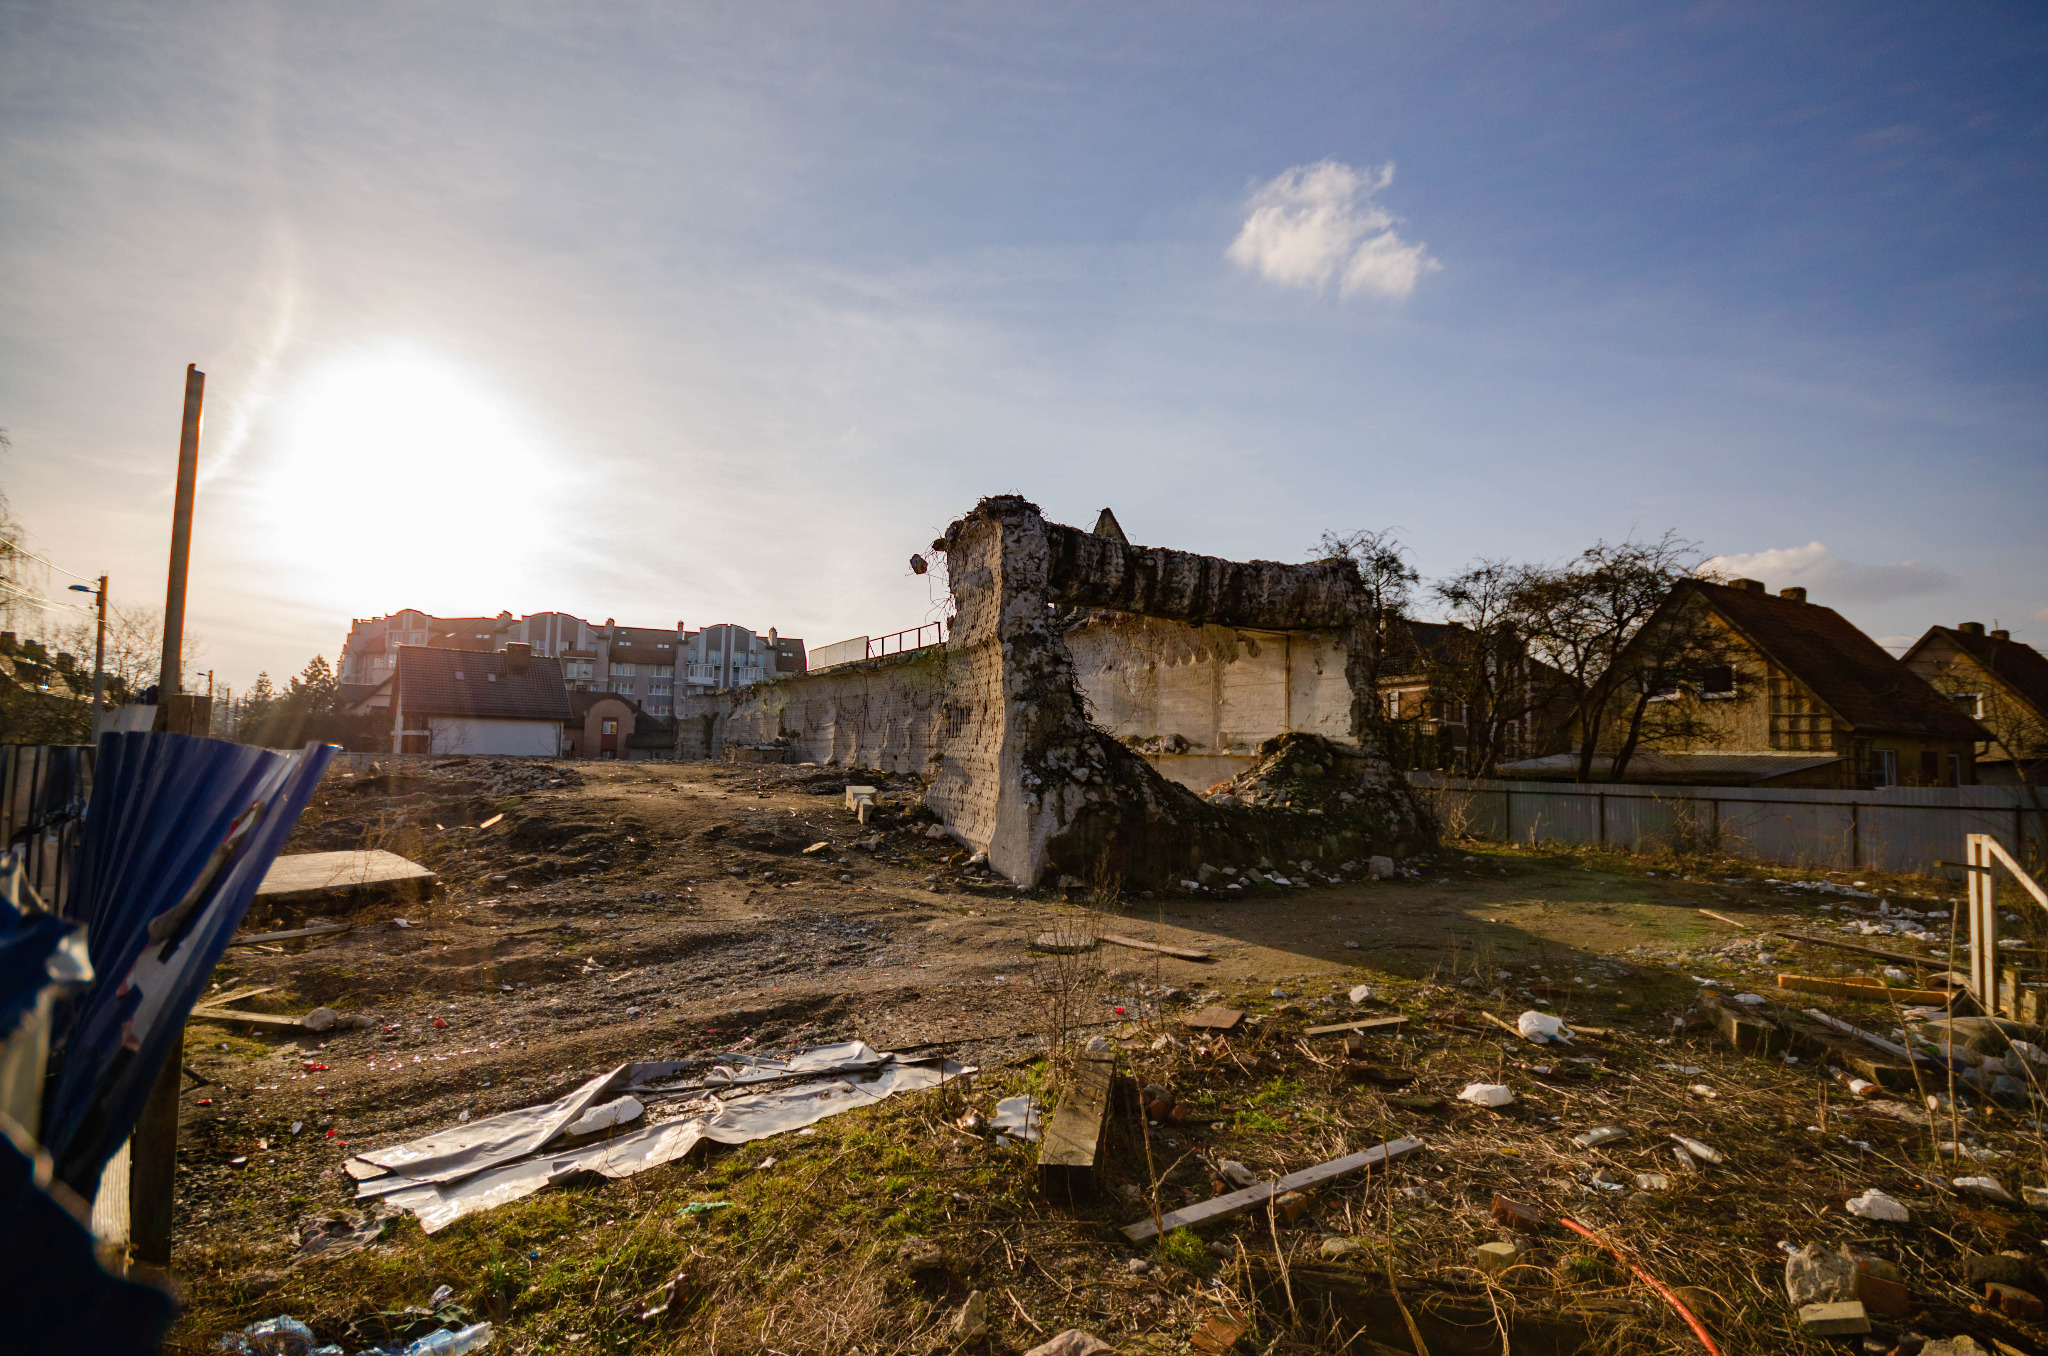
1903 829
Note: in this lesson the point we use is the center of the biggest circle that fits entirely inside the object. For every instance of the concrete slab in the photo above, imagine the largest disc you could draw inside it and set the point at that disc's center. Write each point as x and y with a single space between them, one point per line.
306 876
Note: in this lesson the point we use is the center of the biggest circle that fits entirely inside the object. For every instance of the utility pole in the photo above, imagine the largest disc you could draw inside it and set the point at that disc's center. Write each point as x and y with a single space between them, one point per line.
170 679
99 650
153 1147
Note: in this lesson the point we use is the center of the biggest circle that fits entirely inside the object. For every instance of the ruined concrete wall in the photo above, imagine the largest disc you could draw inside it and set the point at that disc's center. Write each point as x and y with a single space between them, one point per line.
883 713
1024 775
1190 689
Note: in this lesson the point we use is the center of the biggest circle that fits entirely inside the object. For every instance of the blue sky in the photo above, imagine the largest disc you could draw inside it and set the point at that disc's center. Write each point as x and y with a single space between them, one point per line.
718 312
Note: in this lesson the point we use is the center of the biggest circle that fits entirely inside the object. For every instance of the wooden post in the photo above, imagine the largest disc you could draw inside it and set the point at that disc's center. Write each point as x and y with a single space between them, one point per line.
1983 923
153 1161
171 676
153 1149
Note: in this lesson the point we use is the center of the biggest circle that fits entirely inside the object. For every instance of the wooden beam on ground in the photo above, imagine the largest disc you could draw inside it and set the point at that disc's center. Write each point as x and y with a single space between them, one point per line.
1230 1204
317 930
221 1000
1859 986
1213 1019
1724 918
1072 1142
1184 953
258 1018
1746 1031
1362 1024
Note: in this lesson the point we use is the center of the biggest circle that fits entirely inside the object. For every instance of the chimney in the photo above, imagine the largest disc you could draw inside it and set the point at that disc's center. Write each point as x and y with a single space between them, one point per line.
517 655
1755 586
1795 594
1971 628
2001 635
771 635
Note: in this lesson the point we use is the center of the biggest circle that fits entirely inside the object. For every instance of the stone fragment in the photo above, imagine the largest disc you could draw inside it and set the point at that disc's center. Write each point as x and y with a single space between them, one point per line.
2004 1268
1817 1275
1883 1295
1073 1342
1840 1318
971 1323
1497 1257
1291 1206
1335 1249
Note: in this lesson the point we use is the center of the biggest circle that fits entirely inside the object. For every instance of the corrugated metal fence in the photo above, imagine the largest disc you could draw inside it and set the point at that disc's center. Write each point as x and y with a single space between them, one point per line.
1905 829
43 793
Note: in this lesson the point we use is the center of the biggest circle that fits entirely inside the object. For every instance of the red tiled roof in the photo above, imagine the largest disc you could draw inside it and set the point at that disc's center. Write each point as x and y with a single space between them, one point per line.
1862 683
435 682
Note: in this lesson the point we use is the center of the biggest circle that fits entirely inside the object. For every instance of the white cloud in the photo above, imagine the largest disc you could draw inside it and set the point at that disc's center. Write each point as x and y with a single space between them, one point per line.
1830 577
1318 222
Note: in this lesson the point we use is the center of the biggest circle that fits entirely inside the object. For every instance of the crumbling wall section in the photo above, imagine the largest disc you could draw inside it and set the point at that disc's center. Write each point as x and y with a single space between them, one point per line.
1184 688
883 713
1023 773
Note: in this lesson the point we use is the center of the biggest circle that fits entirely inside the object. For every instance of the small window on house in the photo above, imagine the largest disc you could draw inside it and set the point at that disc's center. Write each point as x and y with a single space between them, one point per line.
611 727
1660 688
458 675
1930 768
1884 767
490 677
1955 769
1717 680
1971 702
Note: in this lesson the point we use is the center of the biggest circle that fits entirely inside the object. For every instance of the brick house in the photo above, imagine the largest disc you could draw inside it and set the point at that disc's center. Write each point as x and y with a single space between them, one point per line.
1427 677
1804 699
608 727
1999 682
506 703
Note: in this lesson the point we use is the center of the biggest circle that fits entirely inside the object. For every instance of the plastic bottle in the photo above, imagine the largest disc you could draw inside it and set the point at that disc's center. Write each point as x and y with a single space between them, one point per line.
452 1341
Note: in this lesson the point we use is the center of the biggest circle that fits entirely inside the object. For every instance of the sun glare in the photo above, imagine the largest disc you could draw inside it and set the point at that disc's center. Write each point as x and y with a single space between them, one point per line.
398 478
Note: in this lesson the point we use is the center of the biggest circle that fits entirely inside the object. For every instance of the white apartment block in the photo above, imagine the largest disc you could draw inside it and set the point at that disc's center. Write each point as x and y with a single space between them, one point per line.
646 666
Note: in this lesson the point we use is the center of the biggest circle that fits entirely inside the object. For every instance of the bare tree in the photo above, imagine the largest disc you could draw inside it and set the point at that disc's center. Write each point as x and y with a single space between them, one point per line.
1389 586
1483 670
1580 620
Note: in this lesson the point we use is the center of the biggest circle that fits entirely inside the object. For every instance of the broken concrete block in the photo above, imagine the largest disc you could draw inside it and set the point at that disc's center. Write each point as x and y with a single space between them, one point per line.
1381 868
1073 1342
1291 1206
2012 1301
1336 1249
1817 1275
1497 1257
1842 1318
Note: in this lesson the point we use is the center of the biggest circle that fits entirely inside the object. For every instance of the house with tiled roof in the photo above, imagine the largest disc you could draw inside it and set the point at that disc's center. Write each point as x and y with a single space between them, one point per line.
1804 699
505 703
1999 682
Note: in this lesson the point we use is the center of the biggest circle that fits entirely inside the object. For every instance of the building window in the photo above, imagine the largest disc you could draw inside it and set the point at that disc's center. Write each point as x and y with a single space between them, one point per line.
622 670
1955 769
1884 767
1717 680
1971 702
611 727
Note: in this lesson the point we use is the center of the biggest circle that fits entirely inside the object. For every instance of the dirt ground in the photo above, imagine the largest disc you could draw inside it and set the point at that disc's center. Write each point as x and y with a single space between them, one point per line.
613 912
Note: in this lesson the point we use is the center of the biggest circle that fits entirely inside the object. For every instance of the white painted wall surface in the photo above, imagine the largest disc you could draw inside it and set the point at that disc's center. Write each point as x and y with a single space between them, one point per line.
498 738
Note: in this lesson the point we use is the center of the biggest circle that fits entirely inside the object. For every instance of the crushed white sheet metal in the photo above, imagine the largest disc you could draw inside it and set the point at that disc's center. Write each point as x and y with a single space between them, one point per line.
487 1163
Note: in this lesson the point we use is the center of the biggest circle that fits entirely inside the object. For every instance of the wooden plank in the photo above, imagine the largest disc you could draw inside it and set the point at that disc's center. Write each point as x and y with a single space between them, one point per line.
318 930
1724 918
1213 1019
221 1000
318 875
259 1018
1925 962
1184 953
1862 986
1362 1024
1258 1194
1067 1152
1744 1030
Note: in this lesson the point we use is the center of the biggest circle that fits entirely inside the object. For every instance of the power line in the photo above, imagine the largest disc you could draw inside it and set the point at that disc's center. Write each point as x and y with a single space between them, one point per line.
10 545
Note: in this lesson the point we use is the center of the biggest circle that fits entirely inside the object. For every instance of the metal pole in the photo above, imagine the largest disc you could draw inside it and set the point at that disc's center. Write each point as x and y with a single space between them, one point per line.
99 649
171 674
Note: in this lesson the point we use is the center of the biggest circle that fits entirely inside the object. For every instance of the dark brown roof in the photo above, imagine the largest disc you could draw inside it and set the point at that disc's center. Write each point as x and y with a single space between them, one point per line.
2014 662
468 683
1860 682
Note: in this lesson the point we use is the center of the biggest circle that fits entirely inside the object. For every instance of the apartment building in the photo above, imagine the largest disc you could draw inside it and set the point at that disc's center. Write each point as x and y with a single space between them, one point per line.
643 665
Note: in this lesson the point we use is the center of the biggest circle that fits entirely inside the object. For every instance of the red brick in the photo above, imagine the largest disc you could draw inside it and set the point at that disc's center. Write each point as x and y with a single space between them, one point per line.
2012 1301
1521 1218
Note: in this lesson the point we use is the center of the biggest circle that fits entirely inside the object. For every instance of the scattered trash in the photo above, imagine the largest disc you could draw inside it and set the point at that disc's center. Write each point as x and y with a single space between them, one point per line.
1487 1094
1073 1342
1817 1275
280 1336
1987 1187
441 1294
1652 1181
1699 1150
1543 1026
703 1207
1874 1204
1605 1134
1019 1117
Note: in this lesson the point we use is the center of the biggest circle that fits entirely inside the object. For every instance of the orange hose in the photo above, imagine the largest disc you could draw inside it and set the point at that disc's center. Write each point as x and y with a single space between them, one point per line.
1699 1330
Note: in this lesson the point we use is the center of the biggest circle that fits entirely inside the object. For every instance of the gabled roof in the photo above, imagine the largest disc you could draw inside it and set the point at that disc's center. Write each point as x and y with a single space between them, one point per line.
1854 675
435 682
2017 664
